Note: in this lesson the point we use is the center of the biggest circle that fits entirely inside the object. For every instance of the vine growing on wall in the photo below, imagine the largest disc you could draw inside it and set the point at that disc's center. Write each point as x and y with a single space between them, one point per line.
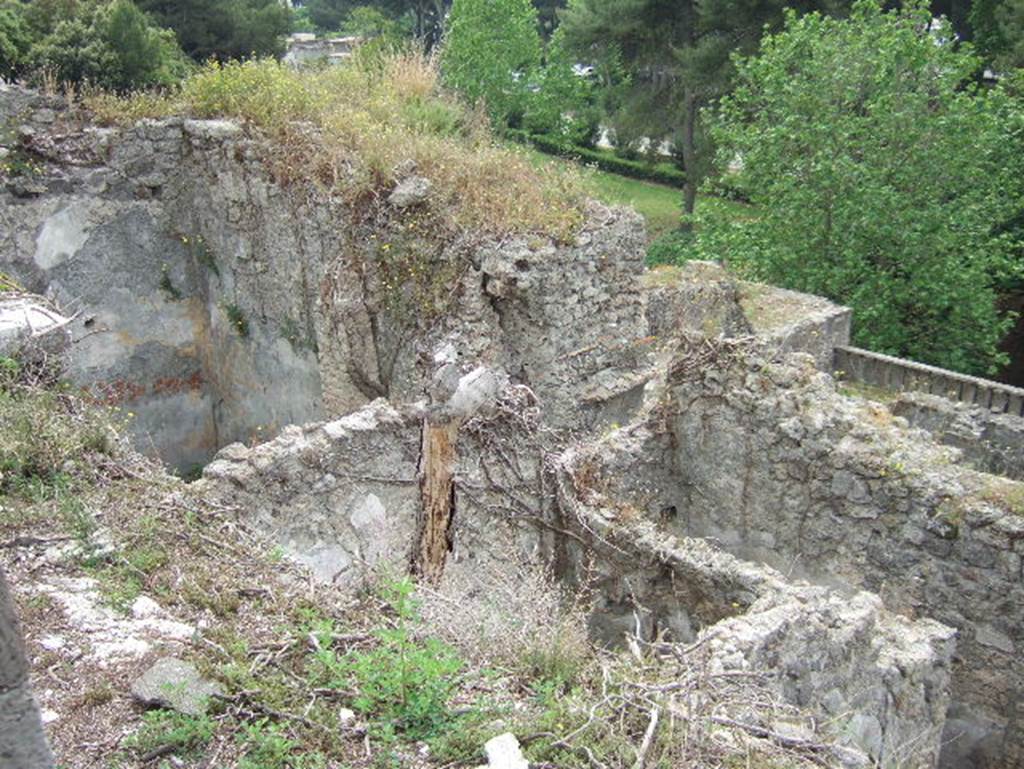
410 264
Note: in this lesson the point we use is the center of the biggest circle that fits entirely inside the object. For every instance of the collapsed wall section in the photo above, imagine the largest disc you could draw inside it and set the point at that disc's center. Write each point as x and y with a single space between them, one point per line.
344 498
774 464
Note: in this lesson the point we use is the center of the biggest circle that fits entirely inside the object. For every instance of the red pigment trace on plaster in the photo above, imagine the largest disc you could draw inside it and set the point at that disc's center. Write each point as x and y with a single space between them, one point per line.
174 385
120 391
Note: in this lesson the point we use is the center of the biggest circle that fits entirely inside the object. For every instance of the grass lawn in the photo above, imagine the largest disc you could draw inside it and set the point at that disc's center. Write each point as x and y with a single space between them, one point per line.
660 205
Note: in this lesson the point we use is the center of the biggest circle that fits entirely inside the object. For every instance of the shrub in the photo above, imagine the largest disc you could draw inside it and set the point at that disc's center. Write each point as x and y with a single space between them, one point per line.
673 247
163 729
43 433
660 173
405 682
519 621
267 745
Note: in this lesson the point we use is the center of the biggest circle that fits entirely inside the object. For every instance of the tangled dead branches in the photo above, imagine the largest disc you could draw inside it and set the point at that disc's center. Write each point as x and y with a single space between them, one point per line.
696 354
516 457
664 704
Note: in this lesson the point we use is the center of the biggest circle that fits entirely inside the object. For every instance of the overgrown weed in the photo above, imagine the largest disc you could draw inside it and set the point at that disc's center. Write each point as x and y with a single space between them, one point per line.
520 620
349 127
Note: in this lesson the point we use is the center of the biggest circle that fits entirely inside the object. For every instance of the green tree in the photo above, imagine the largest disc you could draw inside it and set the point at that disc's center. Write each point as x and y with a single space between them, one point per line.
226 29
424 17
113 46
1010 100
876 170
43 16
561 103
491 51
998 28
677 56
367 21
327 15
145 55
15 40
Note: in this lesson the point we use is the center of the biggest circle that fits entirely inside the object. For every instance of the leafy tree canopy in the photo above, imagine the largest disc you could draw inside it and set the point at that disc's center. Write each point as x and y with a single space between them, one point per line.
112 45
492 49
876 171
998 27
226 29
559 102
327 15
368 21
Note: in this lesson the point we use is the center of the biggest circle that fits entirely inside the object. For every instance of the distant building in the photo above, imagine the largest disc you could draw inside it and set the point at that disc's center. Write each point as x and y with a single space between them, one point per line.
305 48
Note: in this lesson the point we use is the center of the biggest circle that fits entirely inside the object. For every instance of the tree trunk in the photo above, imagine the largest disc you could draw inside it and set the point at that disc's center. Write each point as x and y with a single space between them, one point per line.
437 496
689 151
22 742
440 11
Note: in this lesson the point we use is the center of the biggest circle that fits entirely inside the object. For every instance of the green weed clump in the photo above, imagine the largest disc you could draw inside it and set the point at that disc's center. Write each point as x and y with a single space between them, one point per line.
348 127
163 729
403 683
1005 494
45 434
237 319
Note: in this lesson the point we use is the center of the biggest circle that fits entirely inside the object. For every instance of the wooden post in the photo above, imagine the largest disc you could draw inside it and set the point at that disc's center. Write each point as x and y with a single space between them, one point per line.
437 495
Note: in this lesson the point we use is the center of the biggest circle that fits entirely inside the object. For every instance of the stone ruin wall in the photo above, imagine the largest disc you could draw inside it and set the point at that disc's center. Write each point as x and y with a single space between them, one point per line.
770 462
163 237
990 442
344 497
617 442
139 235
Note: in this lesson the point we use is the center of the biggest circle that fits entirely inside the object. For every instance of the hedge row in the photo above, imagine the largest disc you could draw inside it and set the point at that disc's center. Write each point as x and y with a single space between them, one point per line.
662 173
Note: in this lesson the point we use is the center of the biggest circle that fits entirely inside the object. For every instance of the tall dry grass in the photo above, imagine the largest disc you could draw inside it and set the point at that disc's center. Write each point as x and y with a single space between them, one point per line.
348 127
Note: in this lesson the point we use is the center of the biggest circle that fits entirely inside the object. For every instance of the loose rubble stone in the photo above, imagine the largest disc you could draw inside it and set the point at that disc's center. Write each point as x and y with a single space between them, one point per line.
177 685
503 752
409 192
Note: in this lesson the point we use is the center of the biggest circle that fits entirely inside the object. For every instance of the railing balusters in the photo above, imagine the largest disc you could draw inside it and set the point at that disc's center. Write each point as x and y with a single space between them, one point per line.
902 375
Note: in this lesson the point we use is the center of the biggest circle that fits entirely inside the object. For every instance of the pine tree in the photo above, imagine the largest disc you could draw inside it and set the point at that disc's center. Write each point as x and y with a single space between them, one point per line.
998 29
677 54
